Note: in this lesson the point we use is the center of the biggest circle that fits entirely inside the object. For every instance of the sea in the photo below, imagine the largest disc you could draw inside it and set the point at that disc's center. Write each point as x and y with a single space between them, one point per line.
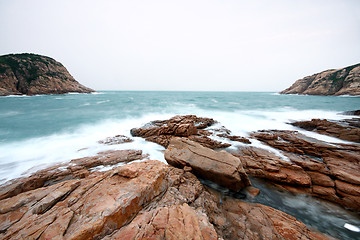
38 131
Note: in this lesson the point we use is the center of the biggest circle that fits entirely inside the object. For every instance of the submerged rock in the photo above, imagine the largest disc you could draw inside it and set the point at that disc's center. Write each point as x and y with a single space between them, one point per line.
118 139
219 167
32 74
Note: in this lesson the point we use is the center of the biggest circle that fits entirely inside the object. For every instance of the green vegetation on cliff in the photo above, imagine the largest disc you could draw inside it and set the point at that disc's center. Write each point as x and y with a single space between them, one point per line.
29 73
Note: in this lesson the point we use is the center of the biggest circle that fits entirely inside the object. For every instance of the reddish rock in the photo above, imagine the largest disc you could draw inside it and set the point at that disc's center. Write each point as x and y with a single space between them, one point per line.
323 126
312 168
86 209
252 191
220 167
191 126
143 200
320 179
78 168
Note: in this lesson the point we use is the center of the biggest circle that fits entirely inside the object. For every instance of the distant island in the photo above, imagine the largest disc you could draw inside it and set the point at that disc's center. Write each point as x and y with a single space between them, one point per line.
343 81
33 74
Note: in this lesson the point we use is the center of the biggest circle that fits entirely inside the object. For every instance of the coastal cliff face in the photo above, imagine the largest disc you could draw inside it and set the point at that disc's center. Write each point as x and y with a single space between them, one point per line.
32 74
343 81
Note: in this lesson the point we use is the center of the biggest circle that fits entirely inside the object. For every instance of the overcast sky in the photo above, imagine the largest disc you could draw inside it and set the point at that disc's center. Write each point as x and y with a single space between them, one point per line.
195 45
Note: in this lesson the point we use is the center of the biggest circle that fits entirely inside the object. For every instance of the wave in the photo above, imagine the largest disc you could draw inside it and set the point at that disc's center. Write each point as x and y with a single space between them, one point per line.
26 156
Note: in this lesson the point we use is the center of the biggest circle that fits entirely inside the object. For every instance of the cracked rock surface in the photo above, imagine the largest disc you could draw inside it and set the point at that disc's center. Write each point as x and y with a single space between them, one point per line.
142 200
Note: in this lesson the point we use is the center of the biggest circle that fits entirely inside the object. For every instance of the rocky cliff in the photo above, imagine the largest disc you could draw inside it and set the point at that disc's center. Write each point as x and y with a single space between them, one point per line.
32 74
343 81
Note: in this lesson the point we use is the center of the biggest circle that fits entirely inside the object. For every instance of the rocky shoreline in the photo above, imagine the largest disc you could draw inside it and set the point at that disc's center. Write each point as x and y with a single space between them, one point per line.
335 82
147 199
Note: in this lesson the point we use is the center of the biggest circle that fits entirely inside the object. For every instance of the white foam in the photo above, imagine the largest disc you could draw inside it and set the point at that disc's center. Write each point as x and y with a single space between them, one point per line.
25 157
351 227
17 158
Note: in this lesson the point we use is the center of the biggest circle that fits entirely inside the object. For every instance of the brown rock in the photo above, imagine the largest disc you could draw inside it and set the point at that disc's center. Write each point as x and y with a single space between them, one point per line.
343 81
88 208
252 191
34 74
143 200
220 167
314 166
323 126
320 179
348 188
190 126
78 168
174 222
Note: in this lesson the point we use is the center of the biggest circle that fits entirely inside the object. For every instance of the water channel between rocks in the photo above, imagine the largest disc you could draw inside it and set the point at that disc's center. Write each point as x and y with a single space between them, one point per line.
317 214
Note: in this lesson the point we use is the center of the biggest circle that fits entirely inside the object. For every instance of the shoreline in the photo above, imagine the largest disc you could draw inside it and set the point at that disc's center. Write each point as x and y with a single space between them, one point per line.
183 128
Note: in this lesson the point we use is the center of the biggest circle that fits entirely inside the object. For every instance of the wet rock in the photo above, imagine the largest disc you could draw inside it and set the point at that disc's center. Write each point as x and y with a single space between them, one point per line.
235 138
252 191
338 130
88 208
307 166
354 113
190 126
118 139
78 168
219 167
142 200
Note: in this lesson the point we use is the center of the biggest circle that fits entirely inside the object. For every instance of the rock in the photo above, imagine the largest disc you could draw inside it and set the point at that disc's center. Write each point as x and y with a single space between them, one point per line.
78 168
343 81
219 167
32 74
252 191
355 113
142 200
88 208
235 138
190 126
323 126
118 139
308 166
174 222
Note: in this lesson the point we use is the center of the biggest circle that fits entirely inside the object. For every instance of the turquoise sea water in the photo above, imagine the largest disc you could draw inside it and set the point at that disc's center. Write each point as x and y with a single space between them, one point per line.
38 131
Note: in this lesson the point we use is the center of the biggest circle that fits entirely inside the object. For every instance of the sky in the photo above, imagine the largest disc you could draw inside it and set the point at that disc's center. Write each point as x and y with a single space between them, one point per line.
196 45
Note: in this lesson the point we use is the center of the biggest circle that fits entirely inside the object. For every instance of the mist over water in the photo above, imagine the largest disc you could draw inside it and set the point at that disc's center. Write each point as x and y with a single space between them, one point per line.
39 131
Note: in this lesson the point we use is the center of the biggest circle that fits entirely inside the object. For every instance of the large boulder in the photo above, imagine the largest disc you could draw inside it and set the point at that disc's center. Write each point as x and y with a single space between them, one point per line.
219 167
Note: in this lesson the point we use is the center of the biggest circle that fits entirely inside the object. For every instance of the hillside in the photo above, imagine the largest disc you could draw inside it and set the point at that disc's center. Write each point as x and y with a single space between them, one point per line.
343 81
32 74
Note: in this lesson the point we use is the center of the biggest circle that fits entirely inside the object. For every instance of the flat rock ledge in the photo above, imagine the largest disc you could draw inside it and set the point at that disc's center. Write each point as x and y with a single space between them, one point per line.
307 166
142 200
219 167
